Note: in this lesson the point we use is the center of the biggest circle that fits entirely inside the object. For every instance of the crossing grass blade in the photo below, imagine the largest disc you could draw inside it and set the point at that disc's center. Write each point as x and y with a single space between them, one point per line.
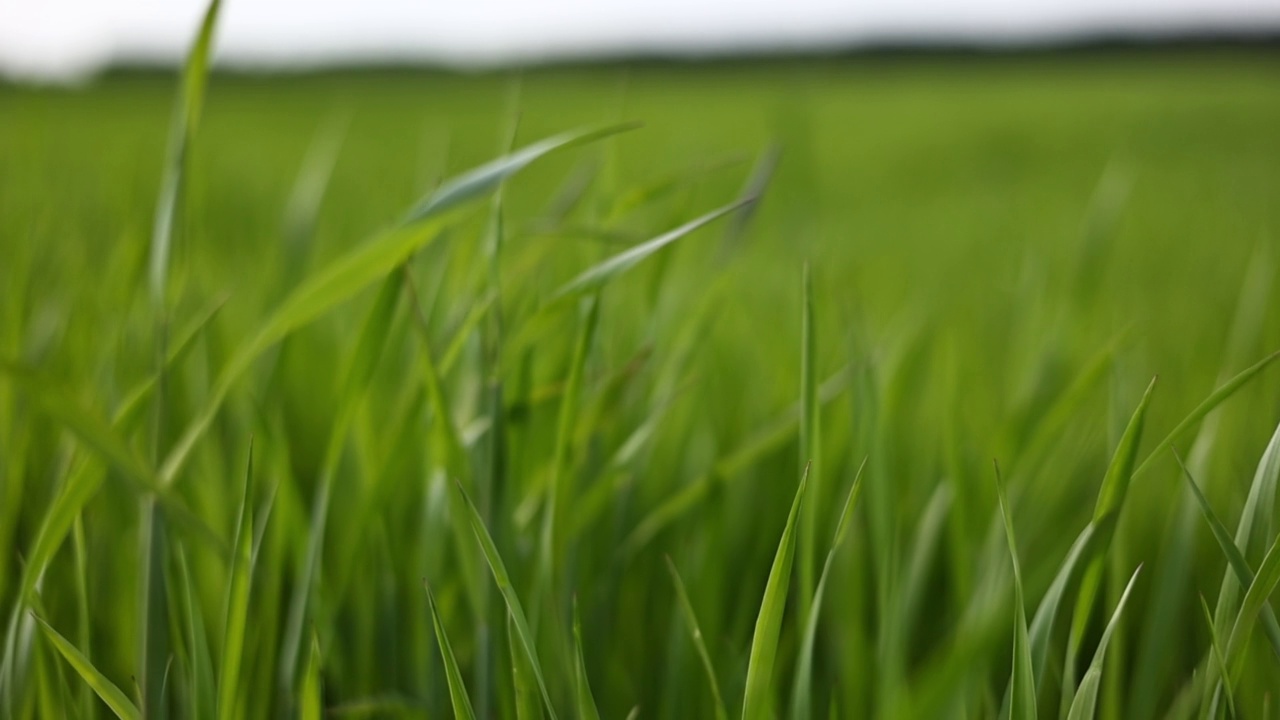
237 603
757 695
528 704
1216 648
1086 699
586 702
1255 598
503 580
1235 559
1022 678
699 644
110 694
802 683
352 272
453 675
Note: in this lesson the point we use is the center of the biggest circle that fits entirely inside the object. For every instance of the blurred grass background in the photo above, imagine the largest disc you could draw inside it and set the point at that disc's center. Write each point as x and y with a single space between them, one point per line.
979 228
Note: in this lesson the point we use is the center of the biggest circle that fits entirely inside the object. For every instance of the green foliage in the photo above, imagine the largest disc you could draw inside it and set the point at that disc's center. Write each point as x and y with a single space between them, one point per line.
319 272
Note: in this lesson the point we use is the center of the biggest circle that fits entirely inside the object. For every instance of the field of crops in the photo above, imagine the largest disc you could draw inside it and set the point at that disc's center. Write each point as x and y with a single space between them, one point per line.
300 416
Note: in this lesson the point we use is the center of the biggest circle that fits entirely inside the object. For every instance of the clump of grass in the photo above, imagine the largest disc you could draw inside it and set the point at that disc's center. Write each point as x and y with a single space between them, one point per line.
507 397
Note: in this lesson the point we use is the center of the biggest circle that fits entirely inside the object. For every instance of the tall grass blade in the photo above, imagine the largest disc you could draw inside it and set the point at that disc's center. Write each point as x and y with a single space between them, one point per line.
1021 679
457 689
810 443
186 117
1216 648
237 603
503 580
802 682
311 700
758 693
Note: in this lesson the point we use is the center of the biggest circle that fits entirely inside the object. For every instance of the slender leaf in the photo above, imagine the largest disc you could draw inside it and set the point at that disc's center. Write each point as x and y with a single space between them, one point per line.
110 694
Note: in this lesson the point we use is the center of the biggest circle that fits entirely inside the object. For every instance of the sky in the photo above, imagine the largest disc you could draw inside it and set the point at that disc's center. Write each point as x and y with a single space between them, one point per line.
52 39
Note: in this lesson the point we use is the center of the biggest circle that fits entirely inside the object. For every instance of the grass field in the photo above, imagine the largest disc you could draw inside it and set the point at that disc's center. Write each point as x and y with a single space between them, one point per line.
225 477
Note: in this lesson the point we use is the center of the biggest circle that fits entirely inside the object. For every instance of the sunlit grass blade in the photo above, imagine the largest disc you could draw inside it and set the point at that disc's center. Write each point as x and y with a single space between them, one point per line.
1111 495
345 276
186 117
1216 398
802 683
1235 559
240 578
110 694
699 644
1086 698
1216 649
457 689
586 702
528 704
600 274
503 580
758 693
311 696
1022 704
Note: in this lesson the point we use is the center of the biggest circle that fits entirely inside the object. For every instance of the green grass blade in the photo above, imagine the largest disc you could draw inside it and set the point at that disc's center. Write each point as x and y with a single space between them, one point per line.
1235 558
1021 679
1086 699
237 603
598 275
1216 398
587 709
457 689
1111 495
311 701
527 701
1264 583
699 644
758 692
110 694
201 684
185 119
802 682
1216 648
810 444
503 580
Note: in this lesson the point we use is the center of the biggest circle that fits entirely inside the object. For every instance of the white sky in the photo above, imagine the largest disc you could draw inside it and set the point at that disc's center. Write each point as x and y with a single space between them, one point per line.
59 38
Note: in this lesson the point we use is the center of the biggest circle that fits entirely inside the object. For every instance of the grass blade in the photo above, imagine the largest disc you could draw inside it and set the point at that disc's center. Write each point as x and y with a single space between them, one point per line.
587 709
1216 398
311 703
810 443
237 603
1086 699
764 641
695 632
1115 485
503 580
1235 559
457 689
1264 583
110 694
802 683
186 117
598 275
1216 648
1021 679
